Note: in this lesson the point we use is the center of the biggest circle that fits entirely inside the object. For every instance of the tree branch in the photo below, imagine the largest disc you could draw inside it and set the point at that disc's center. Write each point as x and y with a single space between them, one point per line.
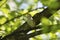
22 29
34 34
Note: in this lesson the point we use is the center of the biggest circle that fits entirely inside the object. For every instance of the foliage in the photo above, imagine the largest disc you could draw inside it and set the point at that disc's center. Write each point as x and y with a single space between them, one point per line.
29 22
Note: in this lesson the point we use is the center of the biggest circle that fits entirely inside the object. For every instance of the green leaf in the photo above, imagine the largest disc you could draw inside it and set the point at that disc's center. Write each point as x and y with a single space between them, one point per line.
7 6
53 4
2 20
2 2
46 21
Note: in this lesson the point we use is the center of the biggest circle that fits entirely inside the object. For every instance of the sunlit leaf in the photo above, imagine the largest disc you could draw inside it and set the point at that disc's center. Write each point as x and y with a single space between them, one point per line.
52 36
46 21
2 2
2 20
